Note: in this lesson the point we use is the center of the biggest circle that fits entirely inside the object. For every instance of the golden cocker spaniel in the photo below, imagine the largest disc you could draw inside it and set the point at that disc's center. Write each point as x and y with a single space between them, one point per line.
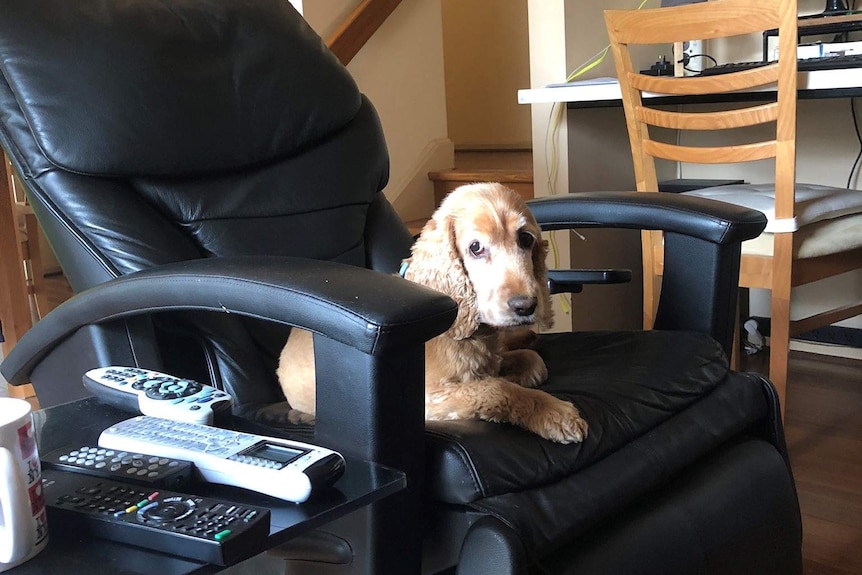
483 248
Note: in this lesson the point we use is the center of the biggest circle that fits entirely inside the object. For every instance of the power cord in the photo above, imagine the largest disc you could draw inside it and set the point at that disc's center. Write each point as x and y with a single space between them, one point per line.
555 118
855 166
687 58
556 114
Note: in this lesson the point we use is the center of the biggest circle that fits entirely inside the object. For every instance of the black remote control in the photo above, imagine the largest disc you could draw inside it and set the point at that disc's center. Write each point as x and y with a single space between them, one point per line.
198 528
139 468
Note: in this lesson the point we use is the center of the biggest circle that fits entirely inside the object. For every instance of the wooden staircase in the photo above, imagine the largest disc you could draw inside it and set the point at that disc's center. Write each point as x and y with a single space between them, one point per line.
513 168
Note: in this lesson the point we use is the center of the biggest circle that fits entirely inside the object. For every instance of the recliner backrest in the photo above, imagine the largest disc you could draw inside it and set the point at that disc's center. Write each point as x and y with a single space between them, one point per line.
147 134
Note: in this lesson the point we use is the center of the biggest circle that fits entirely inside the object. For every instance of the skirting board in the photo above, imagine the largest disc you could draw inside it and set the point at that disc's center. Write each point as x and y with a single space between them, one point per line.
826 349
837 341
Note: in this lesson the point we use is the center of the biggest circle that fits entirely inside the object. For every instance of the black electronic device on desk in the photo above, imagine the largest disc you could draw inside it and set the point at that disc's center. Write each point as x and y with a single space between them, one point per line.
839 62
195 527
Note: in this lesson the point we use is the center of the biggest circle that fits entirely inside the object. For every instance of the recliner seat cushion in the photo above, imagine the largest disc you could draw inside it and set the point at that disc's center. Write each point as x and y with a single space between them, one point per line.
625 385
655 401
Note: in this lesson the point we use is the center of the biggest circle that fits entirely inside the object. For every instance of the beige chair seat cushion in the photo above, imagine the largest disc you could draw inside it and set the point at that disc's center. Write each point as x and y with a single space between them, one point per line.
814 240
814 202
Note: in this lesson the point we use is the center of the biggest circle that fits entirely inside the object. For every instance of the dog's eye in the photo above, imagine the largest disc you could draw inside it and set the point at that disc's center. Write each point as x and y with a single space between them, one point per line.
526 240
476 249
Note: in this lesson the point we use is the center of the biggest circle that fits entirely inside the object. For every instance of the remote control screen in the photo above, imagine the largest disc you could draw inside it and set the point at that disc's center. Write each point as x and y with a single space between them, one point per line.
274 452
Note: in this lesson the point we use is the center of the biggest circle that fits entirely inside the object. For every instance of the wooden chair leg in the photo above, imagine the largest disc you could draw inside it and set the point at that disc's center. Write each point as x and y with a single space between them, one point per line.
736 350
779 336
37 270
651 281
14 303
779 351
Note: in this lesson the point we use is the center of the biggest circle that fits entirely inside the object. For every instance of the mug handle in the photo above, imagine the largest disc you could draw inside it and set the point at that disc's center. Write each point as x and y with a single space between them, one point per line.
17 536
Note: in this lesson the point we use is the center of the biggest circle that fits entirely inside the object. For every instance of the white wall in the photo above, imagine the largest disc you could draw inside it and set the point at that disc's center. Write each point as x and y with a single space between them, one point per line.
400 69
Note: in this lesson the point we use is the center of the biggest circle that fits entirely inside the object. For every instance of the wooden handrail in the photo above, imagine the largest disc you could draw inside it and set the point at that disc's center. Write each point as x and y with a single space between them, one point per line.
362 23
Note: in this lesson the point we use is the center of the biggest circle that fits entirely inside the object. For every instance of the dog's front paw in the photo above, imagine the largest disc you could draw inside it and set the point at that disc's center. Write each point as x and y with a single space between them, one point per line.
524 367
279 414
561 422
298 417
522 337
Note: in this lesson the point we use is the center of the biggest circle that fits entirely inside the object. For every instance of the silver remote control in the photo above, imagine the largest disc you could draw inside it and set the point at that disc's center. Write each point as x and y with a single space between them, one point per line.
285 469
158 394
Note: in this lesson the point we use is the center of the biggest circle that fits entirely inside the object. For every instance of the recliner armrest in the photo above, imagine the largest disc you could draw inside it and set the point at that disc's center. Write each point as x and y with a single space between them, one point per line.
370 390
713 221
702 247
366 310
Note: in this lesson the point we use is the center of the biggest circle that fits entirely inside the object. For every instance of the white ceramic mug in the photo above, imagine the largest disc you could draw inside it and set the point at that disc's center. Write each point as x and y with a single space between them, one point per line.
23 525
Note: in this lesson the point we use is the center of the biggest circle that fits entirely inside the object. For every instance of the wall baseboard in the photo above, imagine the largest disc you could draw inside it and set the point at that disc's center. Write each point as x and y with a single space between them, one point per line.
826 349
834 334
833 340
510 147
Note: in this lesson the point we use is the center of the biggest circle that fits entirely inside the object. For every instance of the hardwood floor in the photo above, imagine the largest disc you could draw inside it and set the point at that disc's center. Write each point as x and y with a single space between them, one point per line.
823 427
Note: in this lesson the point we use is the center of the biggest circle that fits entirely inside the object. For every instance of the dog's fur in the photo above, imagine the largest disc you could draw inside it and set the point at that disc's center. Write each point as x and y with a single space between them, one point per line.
482 248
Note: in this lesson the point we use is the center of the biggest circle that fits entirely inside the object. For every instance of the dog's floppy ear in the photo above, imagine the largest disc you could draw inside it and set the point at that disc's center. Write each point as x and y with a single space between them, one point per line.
436 263
545 311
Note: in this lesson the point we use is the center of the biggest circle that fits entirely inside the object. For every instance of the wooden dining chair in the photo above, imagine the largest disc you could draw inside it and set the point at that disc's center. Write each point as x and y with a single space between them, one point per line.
814 232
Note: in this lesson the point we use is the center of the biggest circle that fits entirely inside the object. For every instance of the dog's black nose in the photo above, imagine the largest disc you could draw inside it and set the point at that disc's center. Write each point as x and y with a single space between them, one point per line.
523 305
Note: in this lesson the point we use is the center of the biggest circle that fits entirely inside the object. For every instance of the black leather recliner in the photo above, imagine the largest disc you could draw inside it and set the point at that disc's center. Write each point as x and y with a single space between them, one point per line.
209 175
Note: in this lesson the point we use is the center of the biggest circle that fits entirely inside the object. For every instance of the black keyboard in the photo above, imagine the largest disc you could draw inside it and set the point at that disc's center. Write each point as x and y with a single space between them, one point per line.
804 65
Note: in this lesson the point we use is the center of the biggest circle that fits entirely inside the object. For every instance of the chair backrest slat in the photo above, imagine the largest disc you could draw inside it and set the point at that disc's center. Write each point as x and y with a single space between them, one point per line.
711 154
713 20
710 21
698 86
723 120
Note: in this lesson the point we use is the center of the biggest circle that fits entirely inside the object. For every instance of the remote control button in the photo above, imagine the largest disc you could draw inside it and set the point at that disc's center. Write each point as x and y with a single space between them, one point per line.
167 512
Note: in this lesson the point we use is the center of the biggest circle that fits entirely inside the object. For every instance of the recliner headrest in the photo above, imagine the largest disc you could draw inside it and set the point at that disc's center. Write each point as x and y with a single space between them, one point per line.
218 84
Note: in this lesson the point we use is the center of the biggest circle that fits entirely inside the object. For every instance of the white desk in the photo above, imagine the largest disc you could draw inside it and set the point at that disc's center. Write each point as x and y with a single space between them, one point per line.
606 92
598 157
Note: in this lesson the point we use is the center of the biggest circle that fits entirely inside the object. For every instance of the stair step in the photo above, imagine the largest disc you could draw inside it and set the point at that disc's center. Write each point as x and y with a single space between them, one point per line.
513 168
447 180
491 159
466 176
